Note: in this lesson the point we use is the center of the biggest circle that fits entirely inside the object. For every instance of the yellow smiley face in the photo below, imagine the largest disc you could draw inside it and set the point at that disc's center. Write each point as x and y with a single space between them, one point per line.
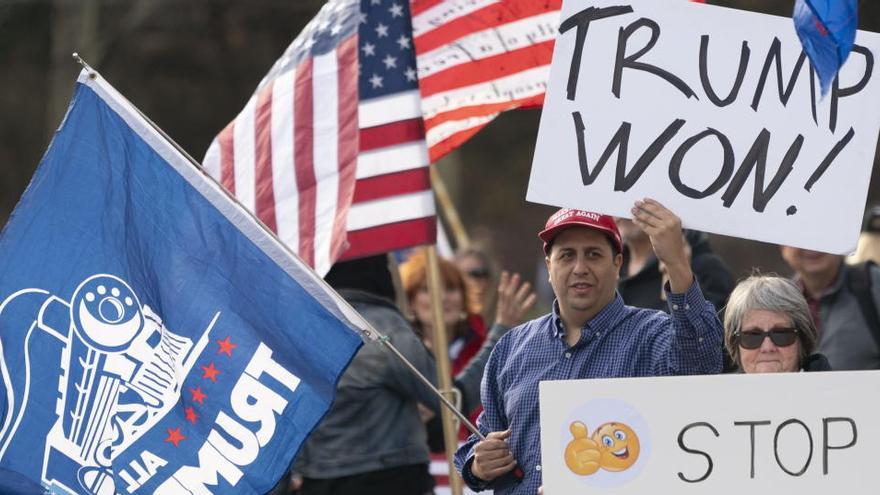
619 446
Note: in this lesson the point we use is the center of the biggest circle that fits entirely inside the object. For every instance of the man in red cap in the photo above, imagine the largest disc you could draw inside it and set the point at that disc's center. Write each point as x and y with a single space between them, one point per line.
590 333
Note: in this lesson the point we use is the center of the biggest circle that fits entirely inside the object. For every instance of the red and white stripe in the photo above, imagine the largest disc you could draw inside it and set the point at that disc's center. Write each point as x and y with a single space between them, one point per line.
393 205
477 58
439 469
290 156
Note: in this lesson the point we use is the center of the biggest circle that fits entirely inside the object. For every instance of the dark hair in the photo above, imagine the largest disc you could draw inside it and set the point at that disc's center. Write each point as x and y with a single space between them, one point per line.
368 274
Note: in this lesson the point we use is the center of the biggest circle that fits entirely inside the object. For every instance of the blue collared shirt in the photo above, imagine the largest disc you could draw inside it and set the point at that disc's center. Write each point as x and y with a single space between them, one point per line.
620 341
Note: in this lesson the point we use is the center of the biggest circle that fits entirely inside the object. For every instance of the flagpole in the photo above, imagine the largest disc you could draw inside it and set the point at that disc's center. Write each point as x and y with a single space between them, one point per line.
440 347
462 240
383 339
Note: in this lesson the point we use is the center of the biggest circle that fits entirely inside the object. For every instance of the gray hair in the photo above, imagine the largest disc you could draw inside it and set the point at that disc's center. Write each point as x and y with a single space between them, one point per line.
770 293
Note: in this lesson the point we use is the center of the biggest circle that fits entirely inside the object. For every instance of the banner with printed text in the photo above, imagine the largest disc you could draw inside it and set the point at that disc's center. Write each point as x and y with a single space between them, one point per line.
714 112
804 433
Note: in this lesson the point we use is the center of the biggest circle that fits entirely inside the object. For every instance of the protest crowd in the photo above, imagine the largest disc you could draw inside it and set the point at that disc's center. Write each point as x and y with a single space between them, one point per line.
618 311
337 336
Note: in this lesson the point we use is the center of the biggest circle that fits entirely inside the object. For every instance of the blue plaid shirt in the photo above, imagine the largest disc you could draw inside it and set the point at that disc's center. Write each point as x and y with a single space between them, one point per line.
620 341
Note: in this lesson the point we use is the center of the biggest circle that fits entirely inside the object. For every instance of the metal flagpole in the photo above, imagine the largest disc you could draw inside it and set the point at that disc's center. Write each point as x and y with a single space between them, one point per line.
440 347
368 331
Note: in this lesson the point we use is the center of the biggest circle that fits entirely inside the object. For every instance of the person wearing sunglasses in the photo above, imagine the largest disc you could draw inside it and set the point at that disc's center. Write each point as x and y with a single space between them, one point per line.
768 327
476 268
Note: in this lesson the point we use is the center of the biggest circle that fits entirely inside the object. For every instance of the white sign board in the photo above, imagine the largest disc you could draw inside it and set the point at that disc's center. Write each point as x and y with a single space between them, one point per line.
712 111
804 433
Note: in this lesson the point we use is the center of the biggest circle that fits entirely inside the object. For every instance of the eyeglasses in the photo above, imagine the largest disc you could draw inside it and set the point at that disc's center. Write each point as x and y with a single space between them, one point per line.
753 339
478 272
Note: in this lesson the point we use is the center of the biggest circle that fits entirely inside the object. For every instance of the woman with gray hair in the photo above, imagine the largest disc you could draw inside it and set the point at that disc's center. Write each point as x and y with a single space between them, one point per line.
768 327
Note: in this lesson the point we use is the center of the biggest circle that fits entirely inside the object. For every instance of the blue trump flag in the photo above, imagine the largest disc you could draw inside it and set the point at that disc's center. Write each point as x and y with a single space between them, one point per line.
154 337
827 29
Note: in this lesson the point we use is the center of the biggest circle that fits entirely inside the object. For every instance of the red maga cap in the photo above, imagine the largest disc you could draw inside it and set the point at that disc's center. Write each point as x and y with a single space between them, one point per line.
567 217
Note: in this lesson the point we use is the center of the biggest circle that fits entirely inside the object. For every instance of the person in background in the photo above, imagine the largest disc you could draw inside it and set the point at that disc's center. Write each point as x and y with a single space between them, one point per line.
465 329
476 267
590 333
868 248
641 280
373 439
843 301
768 327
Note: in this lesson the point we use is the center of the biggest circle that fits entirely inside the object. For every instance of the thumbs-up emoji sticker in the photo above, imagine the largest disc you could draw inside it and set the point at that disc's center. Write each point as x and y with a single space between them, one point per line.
612 447
582 454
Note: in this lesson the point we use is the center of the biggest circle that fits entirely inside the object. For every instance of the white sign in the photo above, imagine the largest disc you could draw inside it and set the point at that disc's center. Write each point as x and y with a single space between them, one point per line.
712 111
804 433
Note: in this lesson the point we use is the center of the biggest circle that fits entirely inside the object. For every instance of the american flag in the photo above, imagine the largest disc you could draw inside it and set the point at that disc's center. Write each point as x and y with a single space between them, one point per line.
329 152
478 58
393 205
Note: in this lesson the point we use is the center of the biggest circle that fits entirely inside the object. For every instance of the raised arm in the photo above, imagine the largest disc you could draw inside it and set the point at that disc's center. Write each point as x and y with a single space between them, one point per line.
664 229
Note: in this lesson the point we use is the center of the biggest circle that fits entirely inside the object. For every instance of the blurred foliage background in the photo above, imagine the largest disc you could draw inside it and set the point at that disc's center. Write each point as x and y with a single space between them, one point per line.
191 65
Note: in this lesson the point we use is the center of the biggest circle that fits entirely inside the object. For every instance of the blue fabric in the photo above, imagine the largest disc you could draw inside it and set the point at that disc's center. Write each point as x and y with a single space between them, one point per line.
153 338
620 341
827 29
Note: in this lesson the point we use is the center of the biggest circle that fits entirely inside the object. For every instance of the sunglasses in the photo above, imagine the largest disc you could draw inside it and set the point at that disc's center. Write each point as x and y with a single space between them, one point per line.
479 273
753 339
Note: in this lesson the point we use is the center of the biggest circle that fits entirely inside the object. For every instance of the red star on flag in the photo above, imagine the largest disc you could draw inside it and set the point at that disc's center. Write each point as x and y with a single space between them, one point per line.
211 372
226 347
198 395
174 436
191 414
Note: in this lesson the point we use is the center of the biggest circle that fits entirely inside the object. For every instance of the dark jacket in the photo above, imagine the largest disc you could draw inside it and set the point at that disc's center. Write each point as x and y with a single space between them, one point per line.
817 362
845 337
374 423
643 289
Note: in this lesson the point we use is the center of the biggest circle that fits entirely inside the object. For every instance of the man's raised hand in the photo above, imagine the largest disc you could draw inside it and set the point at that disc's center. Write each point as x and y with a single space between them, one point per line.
664 229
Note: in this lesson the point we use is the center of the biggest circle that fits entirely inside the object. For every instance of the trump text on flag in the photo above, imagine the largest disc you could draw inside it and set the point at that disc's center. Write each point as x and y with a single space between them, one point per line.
154 338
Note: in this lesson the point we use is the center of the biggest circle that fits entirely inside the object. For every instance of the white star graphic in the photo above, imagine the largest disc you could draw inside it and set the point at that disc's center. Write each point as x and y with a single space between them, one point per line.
375 2
410 74
382 30
396 10
369 49
376 81
362 18
389 61
335 29
403 41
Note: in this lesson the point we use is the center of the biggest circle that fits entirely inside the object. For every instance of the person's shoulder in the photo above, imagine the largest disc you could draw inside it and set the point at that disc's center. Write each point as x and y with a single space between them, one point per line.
380 312
527 330
635 313
873 268
645 320
863 274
